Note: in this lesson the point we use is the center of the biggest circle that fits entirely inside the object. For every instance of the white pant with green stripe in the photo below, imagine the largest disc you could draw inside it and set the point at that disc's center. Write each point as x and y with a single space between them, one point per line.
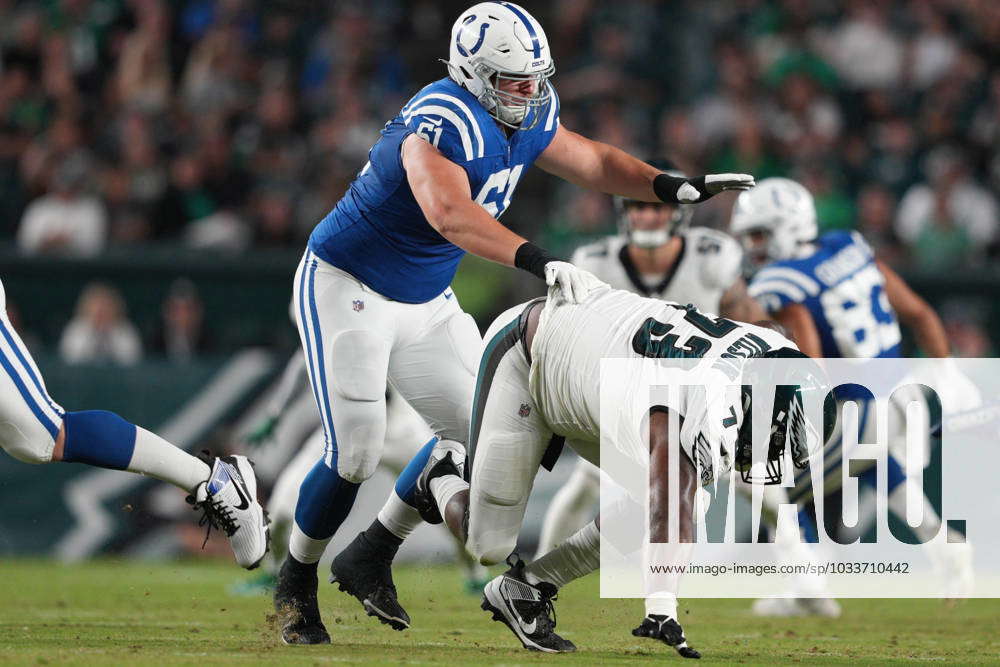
506 443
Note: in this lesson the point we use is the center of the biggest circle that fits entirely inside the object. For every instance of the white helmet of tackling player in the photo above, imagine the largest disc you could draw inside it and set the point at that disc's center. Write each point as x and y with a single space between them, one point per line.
652 224
799 383
774 219
496 45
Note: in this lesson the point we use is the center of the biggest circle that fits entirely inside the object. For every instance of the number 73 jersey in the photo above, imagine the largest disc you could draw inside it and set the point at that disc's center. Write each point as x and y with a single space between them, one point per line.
378 233
572 339
842 287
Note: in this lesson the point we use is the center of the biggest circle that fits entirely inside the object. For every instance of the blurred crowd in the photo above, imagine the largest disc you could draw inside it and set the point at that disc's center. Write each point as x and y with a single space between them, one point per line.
237 123
100 330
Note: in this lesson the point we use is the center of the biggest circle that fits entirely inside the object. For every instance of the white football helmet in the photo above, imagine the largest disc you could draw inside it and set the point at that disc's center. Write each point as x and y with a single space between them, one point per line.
680 214
496 41
780 208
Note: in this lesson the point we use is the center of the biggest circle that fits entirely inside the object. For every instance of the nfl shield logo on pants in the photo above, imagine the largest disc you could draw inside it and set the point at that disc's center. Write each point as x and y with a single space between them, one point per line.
525 410
359 305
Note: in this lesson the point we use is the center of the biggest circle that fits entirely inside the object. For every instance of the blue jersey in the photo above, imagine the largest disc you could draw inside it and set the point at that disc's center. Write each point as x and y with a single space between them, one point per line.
377 232
844 291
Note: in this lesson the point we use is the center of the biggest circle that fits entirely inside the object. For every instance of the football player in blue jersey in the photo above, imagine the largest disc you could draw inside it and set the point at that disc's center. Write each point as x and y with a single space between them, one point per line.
372 291
853 300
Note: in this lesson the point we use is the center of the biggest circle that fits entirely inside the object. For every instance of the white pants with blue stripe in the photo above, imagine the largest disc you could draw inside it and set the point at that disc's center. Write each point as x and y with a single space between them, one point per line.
29 419
356 340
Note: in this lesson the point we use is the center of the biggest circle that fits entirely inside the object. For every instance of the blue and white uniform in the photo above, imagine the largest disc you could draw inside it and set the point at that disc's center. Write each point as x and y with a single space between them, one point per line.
29 419
844 291
841 285
373 302
377 232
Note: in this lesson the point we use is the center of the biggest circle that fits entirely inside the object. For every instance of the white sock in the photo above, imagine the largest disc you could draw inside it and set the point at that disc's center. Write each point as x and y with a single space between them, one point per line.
578 556
157 458
444 488
662 604
304 548
399 518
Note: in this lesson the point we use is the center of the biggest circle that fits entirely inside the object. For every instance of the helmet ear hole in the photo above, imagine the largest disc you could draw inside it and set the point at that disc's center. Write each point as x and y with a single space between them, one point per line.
465 72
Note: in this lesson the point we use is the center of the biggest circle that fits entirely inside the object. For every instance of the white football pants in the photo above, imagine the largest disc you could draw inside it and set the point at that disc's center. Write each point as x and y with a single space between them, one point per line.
355 340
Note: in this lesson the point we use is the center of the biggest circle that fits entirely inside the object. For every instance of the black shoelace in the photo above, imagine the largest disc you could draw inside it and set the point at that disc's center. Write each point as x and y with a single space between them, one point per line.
546 611
215 514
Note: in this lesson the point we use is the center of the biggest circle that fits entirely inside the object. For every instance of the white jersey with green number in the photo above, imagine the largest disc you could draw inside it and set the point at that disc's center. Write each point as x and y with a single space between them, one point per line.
572 339
708 265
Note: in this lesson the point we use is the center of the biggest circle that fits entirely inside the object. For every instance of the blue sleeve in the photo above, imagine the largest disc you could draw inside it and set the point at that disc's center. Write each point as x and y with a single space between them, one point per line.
776 286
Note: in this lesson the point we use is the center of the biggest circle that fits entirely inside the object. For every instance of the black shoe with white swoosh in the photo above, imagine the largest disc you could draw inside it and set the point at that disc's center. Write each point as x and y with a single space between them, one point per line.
525 609
229 500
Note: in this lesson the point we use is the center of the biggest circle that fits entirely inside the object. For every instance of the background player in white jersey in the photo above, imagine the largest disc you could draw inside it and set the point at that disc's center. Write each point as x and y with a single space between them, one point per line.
35 429
372 290
854 301
539 381
657 254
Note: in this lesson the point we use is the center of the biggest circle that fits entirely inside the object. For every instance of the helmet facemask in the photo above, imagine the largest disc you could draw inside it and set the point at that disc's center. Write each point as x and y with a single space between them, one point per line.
512 109
759 246
790 427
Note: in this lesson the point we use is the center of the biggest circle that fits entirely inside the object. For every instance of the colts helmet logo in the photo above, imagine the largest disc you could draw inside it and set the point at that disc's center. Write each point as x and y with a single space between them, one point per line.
479 42
525 410
358 305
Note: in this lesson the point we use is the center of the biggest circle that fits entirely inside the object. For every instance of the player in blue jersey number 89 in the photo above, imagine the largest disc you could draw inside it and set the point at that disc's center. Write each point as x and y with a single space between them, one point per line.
853 301
372 291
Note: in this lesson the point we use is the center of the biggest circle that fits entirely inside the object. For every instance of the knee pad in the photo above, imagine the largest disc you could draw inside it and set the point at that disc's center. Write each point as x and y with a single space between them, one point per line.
492 554
356 464
35 446
359 365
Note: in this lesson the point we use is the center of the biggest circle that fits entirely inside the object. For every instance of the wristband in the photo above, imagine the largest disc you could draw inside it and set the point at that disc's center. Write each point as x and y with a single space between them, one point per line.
665 187
532 259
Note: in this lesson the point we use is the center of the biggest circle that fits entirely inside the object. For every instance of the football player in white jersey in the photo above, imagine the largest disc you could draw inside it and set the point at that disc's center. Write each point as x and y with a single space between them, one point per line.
36 429
657 254
539 381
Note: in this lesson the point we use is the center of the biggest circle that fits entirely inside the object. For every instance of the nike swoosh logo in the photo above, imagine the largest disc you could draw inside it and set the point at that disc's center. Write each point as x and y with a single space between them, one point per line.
244 500
528 628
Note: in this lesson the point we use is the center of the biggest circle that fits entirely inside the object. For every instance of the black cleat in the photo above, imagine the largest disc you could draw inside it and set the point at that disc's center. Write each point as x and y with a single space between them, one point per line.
447 458
525 609
296 604
365 571
667 630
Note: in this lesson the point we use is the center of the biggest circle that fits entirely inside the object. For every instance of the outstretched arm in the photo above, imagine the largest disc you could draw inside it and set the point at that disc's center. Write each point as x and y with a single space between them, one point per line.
442 191
915 313
599 166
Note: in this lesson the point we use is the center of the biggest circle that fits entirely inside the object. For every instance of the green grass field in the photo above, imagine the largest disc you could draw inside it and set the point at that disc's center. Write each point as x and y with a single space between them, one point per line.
112 612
